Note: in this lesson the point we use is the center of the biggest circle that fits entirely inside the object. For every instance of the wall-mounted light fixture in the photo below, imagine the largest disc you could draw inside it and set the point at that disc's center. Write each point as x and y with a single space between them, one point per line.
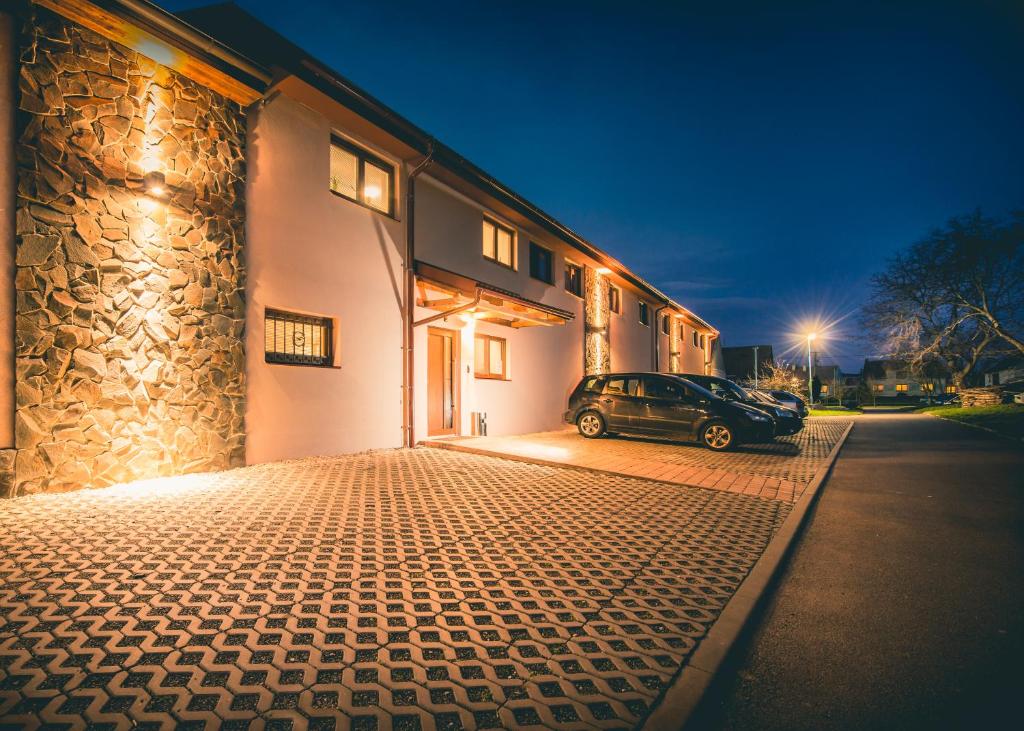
155 184
603 270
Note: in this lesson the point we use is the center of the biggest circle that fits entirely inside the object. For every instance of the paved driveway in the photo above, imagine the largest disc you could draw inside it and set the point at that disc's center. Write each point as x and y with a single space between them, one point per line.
399 589
779 469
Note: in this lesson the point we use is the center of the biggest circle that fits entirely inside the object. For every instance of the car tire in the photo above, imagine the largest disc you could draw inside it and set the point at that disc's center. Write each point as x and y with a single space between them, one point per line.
591 425
718 436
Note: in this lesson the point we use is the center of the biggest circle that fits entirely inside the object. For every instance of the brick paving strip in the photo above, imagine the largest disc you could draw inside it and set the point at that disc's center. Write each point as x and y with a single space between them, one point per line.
780 470
400 589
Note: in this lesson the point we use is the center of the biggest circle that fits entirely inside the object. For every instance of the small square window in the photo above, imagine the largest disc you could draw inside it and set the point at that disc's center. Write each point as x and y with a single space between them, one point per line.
950 389
541 261
498 243
362 177
902 388
296 339
614 299
644 313
489 357
574 279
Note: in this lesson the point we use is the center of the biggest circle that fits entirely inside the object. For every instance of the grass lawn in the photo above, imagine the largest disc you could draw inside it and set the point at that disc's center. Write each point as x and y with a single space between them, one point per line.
1007 419
834 411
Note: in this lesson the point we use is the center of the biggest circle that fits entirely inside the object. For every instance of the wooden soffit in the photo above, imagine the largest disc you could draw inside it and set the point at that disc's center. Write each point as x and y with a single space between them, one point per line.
164 51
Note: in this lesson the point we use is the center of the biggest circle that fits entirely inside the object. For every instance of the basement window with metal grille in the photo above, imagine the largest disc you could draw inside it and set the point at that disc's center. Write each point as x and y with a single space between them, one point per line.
295 339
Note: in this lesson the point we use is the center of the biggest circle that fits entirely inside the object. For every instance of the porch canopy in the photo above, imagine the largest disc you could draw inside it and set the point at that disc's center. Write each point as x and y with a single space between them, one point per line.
450 293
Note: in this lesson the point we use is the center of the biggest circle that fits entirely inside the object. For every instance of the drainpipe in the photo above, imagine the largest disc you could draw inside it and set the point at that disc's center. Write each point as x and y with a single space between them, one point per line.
410 296
657 337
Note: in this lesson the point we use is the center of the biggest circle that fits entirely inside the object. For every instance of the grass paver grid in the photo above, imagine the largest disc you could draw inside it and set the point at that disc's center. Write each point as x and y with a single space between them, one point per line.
392 590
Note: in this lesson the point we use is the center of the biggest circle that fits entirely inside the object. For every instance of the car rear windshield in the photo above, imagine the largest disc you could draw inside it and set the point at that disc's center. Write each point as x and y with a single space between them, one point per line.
590 384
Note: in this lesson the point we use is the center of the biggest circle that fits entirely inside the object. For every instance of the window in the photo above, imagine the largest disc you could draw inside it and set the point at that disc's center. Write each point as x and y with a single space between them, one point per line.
665 324
489 357
614 299
879 387
682 332
824 388
361 177
297 339
574 279
927 387
950 389
901 388
592 384
664 389
541 264
696 339
645 314
621 386
499 243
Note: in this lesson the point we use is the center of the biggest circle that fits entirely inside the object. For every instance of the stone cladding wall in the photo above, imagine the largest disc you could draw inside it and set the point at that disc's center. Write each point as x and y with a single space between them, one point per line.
130 305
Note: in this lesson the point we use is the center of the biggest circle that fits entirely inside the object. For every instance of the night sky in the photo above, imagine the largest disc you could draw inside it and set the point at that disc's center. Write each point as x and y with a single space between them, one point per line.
757 161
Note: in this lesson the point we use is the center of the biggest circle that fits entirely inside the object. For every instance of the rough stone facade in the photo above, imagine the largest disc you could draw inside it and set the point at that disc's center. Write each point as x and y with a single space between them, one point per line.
130 311
597 319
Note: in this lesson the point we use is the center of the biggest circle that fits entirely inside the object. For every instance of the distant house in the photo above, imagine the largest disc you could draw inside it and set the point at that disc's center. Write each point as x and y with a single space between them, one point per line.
893 380
1004 371
739 360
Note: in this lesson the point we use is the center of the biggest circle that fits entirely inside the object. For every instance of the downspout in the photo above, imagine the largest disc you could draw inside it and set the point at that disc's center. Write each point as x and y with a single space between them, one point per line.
8 229
657 337
410 296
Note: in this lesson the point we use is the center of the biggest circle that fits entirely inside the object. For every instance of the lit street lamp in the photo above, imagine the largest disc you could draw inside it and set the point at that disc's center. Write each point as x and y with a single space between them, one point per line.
810 372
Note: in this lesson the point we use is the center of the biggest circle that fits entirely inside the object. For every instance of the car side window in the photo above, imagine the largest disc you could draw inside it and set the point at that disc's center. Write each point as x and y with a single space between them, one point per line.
663 388
621 386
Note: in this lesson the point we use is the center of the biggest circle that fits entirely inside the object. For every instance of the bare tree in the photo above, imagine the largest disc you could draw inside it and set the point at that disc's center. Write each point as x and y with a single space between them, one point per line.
950 297
781 377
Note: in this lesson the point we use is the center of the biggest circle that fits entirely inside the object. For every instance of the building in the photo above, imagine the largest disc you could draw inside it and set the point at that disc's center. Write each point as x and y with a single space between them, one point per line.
1006 371
893 381
220 252
740 360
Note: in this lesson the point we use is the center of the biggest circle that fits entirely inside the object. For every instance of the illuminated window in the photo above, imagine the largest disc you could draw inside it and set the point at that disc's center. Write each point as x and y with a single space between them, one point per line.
879 387
645 313
499 243
541 264
824 388
614 299
950 389
361 177
297 339
927 387
902 388
574 279
489 357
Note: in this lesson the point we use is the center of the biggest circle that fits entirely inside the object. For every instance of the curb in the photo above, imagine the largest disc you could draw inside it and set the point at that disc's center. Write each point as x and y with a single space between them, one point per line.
688 688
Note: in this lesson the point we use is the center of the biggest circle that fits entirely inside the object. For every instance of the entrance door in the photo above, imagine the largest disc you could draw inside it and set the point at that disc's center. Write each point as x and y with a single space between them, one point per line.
442 382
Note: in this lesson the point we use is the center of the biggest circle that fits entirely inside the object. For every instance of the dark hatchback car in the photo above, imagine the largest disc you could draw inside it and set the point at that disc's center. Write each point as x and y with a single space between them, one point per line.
663 405
787 420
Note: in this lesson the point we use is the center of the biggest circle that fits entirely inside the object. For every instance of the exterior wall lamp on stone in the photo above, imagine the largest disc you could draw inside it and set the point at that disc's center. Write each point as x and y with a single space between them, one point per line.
155 184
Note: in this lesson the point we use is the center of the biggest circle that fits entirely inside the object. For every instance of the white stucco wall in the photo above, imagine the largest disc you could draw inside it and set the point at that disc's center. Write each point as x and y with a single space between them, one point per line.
632 343
313 252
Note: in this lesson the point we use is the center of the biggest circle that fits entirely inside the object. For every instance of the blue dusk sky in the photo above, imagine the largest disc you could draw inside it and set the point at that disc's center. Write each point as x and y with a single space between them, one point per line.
758 161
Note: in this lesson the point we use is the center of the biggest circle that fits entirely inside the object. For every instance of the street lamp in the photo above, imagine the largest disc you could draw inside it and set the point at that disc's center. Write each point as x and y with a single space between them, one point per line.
810 376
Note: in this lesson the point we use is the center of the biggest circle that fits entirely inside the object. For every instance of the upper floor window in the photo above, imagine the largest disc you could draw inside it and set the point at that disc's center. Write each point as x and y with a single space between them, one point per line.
665 324
362 177
499 243
645 313
541 263
614 299
696 339
574 279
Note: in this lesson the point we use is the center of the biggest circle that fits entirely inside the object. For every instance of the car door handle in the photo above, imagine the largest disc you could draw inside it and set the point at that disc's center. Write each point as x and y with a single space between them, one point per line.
606 401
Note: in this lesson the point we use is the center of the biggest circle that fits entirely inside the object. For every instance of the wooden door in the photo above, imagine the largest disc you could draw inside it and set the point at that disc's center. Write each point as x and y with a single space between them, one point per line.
442 382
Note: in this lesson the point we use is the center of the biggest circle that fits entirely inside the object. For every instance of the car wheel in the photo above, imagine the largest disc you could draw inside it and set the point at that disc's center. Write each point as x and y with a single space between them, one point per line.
718 436
590 424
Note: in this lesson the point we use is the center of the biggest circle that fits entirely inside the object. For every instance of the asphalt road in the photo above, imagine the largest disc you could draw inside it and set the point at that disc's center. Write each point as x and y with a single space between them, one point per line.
903 603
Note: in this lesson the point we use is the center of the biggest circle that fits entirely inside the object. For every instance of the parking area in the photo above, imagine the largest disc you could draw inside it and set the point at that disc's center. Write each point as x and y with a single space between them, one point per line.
780 469
403 589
